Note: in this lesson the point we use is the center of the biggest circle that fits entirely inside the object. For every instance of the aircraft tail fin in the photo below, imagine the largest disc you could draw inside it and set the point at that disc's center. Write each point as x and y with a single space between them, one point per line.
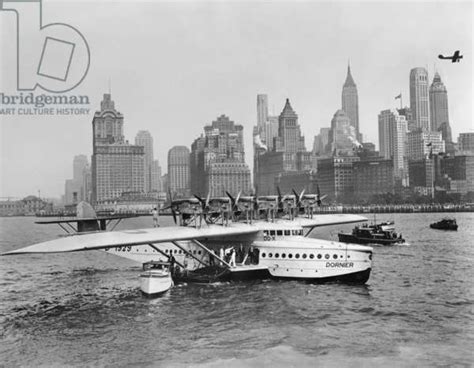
85 210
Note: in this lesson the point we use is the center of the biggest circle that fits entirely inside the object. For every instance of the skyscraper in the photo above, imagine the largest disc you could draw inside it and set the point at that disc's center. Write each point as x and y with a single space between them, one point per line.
117 166
350 102
179 179
438 103
144 138
74 188
262 110
419 98
393 130
289 133
342 136
218 159
288 155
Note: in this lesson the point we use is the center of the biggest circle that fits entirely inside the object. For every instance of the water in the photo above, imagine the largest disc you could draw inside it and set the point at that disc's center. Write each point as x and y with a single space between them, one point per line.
85 309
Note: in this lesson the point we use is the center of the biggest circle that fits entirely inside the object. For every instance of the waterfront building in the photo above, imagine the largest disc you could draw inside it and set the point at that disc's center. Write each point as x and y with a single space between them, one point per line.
438 104
421 143
422 176
350 102
373 177
144 138
419 98
458 172
393 130
335 177
117 166
466 143
179 171
223 144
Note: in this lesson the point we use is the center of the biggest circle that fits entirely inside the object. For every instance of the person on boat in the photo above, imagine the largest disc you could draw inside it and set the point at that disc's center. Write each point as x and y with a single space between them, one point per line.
232 258
155 217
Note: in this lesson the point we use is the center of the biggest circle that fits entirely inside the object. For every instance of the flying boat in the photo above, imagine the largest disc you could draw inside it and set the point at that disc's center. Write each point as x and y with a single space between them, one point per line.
262 249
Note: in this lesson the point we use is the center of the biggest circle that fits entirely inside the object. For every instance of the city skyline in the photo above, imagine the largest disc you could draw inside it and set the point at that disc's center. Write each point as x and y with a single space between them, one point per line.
196 92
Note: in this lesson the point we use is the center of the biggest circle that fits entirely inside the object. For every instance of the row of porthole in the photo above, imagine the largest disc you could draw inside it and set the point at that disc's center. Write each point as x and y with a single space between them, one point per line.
303 256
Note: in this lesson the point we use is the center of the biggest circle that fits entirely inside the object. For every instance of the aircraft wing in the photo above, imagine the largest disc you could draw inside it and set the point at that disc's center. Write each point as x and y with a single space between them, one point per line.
103 240
327 220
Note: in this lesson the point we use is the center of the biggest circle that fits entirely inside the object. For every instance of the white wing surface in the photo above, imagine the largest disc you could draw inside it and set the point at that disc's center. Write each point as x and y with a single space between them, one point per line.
103 240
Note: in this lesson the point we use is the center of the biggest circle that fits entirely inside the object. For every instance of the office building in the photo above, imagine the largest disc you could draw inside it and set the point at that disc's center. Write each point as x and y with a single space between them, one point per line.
438 104
179 171
419 98
350 102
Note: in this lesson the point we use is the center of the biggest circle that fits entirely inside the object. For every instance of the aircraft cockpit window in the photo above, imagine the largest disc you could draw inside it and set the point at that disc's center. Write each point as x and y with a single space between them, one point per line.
287 232
272 232
279 232
294 232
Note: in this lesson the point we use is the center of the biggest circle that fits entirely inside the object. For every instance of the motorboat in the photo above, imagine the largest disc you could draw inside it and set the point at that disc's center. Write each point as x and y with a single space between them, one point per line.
156 278
445 224
382 233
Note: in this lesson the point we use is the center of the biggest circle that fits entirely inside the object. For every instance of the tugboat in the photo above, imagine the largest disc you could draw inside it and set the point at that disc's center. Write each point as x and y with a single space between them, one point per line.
156 278
382 233
445 224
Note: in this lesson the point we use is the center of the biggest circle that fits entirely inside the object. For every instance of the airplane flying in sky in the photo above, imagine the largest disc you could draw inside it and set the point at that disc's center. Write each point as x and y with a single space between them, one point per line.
455 58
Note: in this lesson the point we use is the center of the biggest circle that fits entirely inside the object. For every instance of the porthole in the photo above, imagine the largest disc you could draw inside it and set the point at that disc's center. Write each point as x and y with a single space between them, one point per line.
283 255
199 252
297 255
311 256
263 255
270 255
166 251
326 256
277 255
319 256
334 256
304 255
290 255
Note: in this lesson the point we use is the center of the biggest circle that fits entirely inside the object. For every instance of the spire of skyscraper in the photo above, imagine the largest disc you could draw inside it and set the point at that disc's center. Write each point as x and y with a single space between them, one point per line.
349 80
350 102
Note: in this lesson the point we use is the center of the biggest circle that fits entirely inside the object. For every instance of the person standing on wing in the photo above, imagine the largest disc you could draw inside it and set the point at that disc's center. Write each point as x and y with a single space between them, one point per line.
155 215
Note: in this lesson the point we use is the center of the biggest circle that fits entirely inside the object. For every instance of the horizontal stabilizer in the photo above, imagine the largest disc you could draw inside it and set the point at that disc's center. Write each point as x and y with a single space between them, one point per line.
327 220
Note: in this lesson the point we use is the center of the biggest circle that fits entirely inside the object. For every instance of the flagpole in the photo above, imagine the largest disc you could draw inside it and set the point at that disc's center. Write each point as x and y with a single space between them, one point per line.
401 101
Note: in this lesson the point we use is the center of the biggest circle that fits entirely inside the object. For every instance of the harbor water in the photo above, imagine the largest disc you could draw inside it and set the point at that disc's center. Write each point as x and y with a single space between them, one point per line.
85 308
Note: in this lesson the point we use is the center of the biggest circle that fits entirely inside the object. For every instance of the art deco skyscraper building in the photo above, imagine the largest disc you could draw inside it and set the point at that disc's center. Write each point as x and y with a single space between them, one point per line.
350 101
419 98
262 110
438 103
144 138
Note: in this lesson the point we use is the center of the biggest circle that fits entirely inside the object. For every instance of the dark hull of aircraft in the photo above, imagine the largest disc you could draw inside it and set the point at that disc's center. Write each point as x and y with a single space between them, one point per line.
209 275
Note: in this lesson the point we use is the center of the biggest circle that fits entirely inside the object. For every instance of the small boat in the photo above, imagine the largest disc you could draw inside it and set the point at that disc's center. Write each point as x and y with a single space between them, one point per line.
445 224
155 279
382 233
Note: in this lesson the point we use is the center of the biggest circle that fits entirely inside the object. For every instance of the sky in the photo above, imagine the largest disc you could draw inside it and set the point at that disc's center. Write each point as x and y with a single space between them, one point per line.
174 67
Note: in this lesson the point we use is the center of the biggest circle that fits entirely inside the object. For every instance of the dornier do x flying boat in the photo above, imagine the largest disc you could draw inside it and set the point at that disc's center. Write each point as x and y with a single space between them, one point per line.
204 252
